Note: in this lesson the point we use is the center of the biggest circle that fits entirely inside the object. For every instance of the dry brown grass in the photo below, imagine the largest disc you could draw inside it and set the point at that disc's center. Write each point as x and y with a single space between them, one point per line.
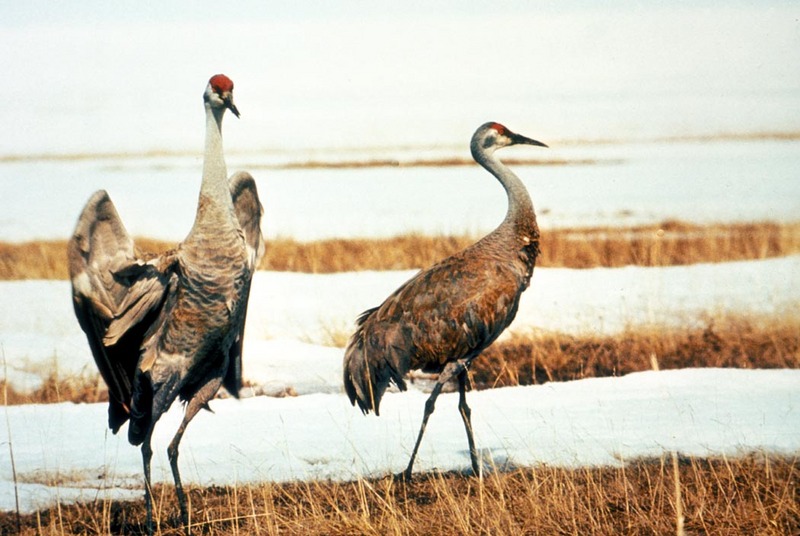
750 495
670 243
86 388
539 357
753 343
430 162
47 259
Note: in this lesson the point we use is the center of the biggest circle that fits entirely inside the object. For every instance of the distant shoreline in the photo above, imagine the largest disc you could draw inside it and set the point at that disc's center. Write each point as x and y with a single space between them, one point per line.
304 162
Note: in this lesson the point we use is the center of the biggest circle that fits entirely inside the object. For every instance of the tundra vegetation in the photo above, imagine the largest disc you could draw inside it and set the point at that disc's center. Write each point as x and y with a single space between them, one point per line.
754 494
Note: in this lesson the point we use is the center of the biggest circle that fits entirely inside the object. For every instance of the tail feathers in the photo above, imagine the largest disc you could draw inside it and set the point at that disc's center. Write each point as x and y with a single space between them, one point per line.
149 403
141 409
368 370
118 414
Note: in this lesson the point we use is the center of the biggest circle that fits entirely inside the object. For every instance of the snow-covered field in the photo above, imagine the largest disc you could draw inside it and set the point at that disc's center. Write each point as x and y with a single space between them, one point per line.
663 113
64 451
292 315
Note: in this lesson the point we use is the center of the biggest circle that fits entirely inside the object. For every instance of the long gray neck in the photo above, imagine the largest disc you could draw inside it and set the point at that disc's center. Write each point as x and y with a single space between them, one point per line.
520 212
214 206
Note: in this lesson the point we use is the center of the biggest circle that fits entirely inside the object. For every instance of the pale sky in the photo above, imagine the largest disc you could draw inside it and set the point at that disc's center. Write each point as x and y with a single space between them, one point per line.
90 75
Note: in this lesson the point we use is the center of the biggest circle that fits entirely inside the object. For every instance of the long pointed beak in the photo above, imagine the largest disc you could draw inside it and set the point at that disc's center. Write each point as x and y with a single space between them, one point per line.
519 139
228 100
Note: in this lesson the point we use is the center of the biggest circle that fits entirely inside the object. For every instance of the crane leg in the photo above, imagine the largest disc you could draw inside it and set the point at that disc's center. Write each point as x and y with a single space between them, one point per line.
147 455
453 368
466 416
198 402
429 407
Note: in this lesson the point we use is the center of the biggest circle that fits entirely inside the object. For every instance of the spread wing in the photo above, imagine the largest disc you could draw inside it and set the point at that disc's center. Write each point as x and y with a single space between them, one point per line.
116 296
249 212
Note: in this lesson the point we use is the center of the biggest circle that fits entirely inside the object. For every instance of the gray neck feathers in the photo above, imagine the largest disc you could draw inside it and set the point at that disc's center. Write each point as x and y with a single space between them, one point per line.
215 206
520 212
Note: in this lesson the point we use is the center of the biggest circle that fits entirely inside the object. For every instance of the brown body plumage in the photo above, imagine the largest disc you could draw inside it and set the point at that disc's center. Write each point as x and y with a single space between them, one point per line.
446 315
173 325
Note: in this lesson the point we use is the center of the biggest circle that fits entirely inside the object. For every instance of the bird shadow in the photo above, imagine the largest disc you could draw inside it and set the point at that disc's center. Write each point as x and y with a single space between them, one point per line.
493 461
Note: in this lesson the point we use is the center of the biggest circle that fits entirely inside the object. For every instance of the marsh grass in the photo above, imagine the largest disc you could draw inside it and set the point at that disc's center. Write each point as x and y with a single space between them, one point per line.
727 342
538 356
669 243
756 494
47 259
55 388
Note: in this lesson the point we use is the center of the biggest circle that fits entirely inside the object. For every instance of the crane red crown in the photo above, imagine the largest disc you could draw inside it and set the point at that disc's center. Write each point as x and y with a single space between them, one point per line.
221 83
500 128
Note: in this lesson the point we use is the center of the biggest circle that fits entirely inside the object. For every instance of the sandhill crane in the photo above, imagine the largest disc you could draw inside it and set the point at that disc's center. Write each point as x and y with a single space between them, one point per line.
443 317
172 325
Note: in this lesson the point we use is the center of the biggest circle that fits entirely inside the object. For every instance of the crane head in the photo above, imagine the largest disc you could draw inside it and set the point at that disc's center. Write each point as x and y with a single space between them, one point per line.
219 93
491 136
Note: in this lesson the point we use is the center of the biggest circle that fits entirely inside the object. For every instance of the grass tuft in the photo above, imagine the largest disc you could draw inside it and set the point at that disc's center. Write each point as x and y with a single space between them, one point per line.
83 388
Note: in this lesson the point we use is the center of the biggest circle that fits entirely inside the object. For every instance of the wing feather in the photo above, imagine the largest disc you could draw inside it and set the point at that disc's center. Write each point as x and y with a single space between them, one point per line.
249 212
450 311
116 296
